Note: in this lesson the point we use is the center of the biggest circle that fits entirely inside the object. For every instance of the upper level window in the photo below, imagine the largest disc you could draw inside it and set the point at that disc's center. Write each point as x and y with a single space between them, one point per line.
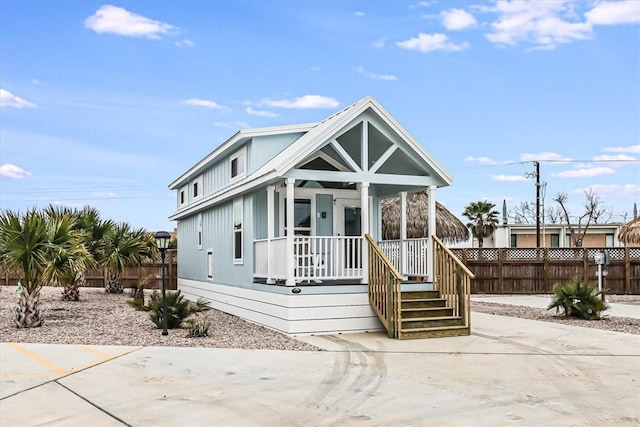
182 197
608 240
555 240
196 187
239 164
514 241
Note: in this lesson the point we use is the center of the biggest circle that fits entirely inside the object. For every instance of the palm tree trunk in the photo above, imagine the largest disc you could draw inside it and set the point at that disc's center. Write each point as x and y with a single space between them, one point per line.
28 313
114 284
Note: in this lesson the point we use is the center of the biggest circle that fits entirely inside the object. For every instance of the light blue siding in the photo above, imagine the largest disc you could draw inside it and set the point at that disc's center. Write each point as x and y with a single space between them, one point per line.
324 203
265 148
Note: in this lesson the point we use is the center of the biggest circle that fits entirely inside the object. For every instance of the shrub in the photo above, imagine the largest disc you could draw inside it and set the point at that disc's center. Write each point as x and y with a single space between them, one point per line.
178 309
576 299
198 327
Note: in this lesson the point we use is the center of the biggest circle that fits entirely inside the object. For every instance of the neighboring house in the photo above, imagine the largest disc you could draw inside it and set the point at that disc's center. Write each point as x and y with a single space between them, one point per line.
554 236
272 222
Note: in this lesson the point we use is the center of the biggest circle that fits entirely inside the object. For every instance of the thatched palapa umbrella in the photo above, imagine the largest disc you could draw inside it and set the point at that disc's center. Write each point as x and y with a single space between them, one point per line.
448 227
630 233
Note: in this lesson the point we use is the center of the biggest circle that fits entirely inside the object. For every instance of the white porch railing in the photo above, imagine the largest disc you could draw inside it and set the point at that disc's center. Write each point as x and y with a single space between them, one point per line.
316 258
408 256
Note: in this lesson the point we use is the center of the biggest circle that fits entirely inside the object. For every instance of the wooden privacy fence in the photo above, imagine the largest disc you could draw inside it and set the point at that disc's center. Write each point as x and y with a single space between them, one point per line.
536 271
96 278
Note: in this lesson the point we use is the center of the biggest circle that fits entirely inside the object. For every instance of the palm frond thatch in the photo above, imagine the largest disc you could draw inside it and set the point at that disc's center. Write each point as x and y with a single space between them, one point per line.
448 227
630 232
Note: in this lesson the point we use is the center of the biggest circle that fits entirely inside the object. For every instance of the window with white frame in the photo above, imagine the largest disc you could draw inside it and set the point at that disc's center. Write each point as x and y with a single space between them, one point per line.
239 164
608 240
199 231
182 197
210 264
196 188
237 231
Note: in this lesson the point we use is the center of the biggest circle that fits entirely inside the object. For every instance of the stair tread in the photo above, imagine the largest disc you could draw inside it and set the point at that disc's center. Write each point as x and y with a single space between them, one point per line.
434 328
414 319
425 308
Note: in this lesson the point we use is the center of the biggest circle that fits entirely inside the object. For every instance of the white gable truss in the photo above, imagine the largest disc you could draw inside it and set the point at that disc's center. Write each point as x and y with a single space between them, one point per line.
361 143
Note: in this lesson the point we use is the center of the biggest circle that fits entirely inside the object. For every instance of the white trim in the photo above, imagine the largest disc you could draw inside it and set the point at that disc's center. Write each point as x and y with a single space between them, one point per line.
197 189
345 156
383 158
241 157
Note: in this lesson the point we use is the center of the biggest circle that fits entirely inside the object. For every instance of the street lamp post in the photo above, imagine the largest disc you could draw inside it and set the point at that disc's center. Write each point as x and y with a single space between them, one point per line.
162 241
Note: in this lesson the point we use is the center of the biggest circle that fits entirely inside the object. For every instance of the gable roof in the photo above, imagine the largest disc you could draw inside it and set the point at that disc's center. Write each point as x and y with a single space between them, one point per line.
313 139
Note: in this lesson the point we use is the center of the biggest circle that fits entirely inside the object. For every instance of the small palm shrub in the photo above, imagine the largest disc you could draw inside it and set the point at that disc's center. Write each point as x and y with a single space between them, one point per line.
178 309
576 299
198 327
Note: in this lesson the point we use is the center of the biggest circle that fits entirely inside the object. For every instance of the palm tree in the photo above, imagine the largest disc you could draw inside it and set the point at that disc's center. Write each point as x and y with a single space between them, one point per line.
24 247
123 247
483 219
68 257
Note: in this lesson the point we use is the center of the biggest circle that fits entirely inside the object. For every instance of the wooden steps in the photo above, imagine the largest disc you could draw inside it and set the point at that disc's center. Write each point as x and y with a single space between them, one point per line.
424 314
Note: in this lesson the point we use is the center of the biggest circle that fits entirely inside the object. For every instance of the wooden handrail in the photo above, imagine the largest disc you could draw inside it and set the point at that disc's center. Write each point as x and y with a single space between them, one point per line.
452 255
384 284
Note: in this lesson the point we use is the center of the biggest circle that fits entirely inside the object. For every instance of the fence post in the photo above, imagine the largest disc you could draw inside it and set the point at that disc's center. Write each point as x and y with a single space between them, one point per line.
545 272
627 270
501 257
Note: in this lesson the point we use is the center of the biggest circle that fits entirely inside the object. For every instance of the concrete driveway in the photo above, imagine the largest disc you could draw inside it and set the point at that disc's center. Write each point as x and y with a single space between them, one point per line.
508 372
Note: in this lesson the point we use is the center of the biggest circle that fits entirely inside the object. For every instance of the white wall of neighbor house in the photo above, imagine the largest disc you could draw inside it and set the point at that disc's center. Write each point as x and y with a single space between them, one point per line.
293 314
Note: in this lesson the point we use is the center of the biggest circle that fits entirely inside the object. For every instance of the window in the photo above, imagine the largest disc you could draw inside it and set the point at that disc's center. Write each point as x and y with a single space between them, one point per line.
197 190
209 263
239 164
237 231
608 240
514 241
199 231
301 217
182 197
555 240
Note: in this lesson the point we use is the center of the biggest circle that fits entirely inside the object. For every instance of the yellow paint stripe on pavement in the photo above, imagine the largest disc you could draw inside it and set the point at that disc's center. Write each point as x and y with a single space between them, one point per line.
93 350
39 359
106 358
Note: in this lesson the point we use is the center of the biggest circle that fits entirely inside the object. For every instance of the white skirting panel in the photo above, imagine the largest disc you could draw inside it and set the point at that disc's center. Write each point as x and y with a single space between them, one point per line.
292 314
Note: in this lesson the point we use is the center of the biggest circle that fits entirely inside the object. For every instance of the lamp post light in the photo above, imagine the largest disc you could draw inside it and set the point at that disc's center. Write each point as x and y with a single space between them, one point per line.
162 241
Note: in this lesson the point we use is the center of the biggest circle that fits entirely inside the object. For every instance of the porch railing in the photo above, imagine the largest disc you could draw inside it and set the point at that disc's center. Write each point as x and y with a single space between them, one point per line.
384 288
453 280
316 258
409 256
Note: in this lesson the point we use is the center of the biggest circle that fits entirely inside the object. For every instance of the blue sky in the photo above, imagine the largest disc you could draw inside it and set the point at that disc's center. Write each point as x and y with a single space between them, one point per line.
104 104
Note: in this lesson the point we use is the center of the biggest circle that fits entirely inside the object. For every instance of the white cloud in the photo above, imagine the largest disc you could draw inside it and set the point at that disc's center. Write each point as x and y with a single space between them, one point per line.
420 4
635 149
378 43
184 43
261 113
307 101
529 157
616 158
358 13
116 20
614 12
103 195
482 160
457 19
375 76
204 103
7 99
585 172
627 191
508 178
431 42
12 171
545 24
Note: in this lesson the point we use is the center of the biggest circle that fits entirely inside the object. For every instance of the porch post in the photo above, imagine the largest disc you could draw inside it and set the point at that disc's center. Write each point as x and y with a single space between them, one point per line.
291 278
270 231
403 232
431 197
364 223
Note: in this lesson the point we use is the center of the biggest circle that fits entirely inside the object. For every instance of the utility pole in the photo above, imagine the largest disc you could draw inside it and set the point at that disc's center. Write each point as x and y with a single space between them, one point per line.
537 164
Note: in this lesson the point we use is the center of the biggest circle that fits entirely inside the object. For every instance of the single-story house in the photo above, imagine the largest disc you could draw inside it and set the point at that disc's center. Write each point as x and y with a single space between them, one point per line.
279 226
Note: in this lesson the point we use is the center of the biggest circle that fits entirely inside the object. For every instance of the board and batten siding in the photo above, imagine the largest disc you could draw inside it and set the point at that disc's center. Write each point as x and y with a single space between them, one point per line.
217 234
293 314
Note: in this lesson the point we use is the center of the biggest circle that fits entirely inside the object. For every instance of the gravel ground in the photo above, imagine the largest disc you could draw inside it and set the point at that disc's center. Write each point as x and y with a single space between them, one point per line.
609 323
106 319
